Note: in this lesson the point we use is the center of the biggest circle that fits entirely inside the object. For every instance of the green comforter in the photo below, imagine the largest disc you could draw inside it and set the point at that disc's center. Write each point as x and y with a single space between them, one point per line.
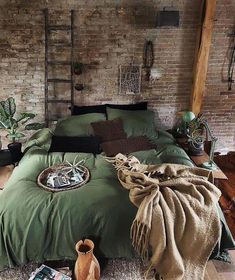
38 225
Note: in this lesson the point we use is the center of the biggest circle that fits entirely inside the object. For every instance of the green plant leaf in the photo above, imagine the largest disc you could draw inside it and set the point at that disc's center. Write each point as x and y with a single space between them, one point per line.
9 107
25 117
19 135
16 135
4 123
34 126
2 111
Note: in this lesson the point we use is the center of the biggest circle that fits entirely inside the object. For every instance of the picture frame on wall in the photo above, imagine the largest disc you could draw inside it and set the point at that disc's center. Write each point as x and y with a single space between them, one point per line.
130 79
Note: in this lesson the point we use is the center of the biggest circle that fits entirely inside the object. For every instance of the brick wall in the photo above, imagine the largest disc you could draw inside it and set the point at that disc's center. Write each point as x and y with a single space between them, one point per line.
112 33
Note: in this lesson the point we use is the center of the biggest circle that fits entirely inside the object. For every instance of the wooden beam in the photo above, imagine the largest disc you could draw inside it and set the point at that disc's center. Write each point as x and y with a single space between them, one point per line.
202 54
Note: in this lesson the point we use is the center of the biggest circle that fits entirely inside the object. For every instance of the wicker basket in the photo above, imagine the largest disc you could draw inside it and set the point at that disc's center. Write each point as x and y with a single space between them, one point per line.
42 178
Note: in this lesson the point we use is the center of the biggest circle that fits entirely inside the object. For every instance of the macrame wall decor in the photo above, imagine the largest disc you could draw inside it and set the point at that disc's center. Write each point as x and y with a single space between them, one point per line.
148 58
231 64
129 79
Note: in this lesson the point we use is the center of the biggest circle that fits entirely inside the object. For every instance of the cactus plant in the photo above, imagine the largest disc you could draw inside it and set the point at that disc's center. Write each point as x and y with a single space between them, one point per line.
14 125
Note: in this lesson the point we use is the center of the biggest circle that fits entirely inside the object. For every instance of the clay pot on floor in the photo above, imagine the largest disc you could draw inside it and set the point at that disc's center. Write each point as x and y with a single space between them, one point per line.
86 266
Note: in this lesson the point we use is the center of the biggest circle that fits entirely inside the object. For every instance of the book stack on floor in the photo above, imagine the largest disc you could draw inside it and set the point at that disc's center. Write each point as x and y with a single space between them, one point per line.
45 272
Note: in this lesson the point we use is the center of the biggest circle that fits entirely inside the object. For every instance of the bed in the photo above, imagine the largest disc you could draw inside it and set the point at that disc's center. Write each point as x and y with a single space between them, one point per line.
38 225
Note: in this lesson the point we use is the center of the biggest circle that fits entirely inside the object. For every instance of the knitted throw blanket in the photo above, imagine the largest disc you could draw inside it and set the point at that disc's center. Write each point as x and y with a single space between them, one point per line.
176 226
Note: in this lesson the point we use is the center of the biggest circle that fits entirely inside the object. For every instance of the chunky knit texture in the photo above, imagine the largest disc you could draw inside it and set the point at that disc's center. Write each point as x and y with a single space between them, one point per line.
177 225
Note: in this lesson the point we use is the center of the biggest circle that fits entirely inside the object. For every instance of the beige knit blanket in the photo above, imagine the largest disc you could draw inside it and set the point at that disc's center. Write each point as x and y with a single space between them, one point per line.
176 226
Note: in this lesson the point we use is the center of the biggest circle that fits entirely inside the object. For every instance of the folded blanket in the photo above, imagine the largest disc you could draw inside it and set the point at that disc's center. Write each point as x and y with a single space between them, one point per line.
176 226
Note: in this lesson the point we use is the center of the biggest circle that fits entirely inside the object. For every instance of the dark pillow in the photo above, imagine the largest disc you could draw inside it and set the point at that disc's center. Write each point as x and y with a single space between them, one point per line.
109 130
82 110
129 107
135 123
83 144
126 146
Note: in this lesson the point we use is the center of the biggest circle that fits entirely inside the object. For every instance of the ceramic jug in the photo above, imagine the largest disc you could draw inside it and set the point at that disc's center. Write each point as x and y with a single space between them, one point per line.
86 266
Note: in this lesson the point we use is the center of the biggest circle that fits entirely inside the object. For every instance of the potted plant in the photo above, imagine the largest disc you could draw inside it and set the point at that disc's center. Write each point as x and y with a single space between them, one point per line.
196 138
78 68
15 125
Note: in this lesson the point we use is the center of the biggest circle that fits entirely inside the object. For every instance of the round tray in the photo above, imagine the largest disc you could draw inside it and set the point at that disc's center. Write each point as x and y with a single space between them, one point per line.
42 177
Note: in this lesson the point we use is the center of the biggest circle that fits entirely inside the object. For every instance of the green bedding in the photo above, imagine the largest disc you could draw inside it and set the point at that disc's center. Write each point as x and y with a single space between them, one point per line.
38 225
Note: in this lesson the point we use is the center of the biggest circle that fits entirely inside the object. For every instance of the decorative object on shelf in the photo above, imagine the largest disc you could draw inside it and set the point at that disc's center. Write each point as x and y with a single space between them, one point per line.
15 125
79 87
86 266
148 58
65 176
78 68
129 79
197 138
231 64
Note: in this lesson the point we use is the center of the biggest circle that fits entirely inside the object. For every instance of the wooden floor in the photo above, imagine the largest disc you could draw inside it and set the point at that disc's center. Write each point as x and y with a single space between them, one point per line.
217 270
227 187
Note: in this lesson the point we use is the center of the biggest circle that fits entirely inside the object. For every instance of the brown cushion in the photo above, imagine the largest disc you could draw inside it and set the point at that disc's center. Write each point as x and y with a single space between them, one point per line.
126 146
109 130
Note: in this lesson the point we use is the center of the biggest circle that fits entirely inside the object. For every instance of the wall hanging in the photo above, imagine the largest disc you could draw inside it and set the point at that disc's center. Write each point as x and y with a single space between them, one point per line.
231 64
129 79
148 58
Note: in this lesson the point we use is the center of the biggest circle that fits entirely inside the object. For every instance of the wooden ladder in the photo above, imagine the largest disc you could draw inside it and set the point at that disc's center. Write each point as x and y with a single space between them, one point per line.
49 118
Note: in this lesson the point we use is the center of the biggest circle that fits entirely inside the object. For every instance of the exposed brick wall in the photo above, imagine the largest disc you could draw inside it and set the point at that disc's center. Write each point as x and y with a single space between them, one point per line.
111 33
219 103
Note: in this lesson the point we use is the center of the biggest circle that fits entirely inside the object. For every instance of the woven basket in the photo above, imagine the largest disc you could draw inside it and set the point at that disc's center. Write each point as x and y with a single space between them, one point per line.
42 178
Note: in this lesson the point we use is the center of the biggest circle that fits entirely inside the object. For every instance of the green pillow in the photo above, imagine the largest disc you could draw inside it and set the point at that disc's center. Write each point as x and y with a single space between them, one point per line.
135 123
77 125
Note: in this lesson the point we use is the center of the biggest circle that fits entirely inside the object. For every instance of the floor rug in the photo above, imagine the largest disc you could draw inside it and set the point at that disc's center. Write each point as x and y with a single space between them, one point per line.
113 270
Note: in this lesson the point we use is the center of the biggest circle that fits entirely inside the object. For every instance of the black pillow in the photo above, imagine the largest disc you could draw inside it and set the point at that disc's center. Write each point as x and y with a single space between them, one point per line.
129 107
82 144
82 110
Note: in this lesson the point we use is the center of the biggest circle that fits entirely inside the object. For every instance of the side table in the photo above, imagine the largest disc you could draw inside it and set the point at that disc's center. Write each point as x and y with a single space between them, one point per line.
218 174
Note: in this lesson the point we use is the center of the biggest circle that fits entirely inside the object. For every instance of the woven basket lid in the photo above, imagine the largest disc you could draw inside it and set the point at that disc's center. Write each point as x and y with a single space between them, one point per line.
42 177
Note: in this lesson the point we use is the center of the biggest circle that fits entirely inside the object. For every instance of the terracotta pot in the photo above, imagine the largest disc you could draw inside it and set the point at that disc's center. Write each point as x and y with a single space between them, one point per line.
86 266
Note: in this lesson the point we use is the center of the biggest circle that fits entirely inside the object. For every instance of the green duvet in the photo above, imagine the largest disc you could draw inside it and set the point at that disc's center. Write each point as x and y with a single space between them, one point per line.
37 225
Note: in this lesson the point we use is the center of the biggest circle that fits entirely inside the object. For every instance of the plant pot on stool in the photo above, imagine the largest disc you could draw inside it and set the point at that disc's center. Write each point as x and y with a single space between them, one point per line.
86 266
15 150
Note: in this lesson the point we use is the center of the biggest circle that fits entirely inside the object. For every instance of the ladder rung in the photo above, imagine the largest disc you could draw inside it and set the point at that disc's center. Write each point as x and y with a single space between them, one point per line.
59 44
59 81
58 62
58 101
59 27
